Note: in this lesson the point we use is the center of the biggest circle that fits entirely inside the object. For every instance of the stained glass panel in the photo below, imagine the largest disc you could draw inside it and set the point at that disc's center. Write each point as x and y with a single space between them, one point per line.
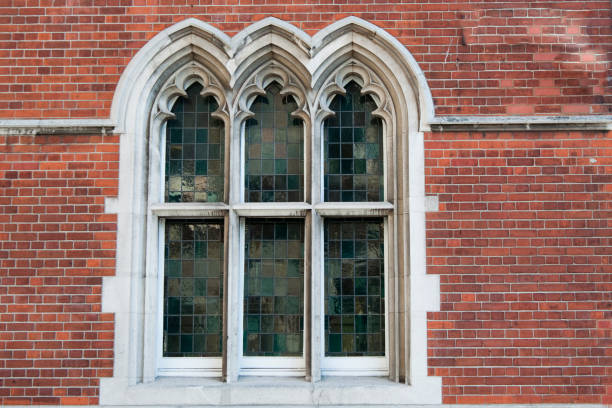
195 144
354 287
353 149
274 150
193 289
274 288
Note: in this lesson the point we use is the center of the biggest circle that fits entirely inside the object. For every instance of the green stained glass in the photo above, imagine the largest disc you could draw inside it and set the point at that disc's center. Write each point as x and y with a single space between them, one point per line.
193 289
195 145
274 150
354 287
353 149
274 288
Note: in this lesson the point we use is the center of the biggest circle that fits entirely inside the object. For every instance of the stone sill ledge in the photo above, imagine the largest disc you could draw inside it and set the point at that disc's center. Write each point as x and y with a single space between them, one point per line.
274 391
521 123
56 126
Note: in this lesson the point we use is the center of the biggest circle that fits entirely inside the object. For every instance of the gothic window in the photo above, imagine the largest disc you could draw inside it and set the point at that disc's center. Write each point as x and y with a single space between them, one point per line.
266 222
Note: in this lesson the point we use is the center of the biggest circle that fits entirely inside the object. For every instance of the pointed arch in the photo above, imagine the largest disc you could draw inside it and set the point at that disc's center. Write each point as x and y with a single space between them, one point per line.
234 59
349 49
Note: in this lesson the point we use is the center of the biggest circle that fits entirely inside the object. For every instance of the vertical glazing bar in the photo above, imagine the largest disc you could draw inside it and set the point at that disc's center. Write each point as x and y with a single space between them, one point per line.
225 295
307 294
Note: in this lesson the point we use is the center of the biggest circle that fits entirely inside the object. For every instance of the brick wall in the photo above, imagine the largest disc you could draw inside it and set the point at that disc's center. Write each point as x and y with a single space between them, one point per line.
56 244
522 241
523 247
63 58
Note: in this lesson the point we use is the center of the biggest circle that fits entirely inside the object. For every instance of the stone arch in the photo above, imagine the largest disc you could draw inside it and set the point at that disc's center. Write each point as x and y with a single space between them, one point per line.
316 62
232 60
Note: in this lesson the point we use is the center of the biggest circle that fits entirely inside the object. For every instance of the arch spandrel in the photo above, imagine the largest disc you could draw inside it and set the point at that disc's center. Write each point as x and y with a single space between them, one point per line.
177 85
370 85
257 83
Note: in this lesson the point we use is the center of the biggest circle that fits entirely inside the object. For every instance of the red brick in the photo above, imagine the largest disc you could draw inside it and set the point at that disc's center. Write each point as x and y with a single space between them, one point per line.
547 307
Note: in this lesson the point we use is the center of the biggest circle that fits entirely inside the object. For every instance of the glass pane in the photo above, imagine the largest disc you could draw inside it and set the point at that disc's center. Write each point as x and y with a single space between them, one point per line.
354 287
195 144
274 288
274 150
193 289
353 149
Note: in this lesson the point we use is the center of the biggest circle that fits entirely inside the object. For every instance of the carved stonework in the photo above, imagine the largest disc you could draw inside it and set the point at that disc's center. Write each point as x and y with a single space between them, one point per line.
177 85
257 83
368 81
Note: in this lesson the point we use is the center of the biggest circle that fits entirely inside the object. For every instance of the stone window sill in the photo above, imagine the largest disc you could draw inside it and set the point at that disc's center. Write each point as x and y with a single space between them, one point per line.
272 391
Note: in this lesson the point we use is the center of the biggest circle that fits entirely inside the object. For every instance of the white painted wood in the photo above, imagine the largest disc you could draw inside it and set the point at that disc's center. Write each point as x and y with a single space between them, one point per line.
356 366
189 210
173 366
272 209
281 363
366 366
365 209
184 371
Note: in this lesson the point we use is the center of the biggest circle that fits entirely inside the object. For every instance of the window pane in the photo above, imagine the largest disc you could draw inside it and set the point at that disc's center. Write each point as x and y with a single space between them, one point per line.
274 288
274 143
353 149
195 144
193 289
354 287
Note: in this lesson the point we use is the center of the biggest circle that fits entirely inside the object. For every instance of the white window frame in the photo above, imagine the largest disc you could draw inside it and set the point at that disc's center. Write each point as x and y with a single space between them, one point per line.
251 88
160 211
264 366
128 295
367 80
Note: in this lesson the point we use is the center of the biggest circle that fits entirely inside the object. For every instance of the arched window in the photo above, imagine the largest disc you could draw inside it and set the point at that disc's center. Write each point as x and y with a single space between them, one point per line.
274 148
278 232
191 161
194 150
354 151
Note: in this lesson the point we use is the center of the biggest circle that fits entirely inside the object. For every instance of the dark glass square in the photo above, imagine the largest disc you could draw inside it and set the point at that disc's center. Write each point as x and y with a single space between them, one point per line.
335 343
